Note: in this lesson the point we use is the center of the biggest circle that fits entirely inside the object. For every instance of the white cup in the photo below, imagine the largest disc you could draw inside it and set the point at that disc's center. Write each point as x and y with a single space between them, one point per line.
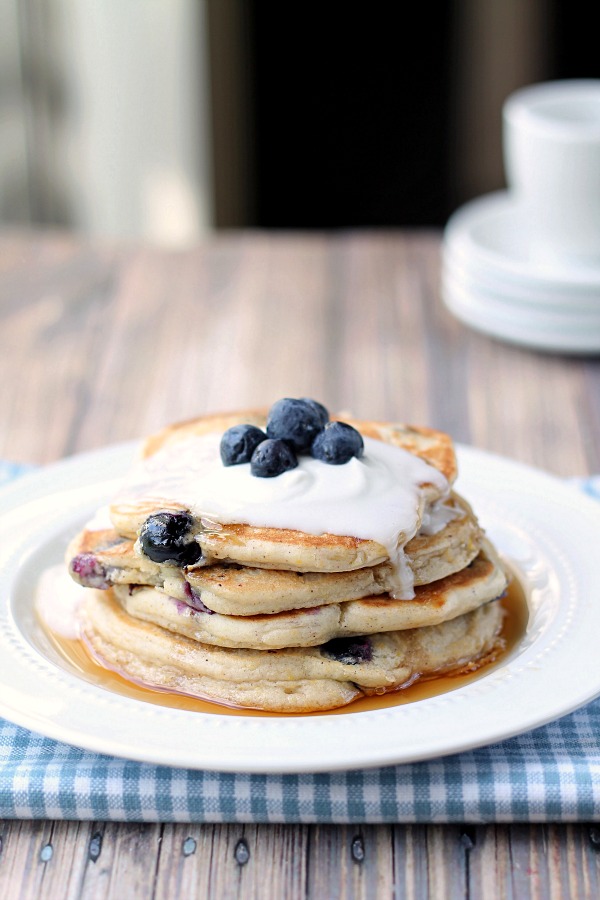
551 134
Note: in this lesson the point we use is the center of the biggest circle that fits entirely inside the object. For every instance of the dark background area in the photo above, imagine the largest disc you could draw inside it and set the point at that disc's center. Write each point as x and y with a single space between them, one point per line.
353 114
327 154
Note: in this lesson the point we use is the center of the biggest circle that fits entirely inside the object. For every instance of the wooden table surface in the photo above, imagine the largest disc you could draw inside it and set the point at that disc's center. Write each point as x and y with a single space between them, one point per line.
102 343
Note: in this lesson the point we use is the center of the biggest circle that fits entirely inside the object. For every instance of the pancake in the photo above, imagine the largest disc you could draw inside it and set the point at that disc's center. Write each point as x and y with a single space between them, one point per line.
100 558
295 588
283 548
292 680
483 580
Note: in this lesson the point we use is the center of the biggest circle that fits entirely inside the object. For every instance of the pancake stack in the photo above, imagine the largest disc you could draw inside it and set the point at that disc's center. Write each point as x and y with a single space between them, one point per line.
208 580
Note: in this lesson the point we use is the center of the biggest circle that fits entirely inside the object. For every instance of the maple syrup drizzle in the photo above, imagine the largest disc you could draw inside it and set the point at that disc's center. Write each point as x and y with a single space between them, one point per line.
78 660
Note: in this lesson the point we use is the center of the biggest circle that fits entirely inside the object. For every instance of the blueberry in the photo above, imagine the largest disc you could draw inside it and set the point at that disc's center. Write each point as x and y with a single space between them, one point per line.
323 413
164 537
349 651
86 569
297 422
239 443
272 458
337 444
194 600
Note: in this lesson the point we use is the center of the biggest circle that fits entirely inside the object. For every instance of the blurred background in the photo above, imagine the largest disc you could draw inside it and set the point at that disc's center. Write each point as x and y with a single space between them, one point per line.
162 120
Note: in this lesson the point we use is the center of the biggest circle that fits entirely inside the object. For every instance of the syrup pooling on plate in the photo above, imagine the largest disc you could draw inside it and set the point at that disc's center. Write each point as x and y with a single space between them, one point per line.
378 497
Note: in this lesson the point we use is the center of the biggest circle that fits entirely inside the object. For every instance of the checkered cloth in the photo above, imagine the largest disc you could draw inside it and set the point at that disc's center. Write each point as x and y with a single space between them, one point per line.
550 774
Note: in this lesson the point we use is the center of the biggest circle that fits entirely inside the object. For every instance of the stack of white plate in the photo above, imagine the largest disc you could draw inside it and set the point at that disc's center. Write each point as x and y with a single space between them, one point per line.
494 281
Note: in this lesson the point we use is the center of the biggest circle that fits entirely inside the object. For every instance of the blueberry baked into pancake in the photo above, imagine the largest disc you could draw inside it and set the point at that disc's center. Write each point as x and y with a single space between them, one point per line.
288 561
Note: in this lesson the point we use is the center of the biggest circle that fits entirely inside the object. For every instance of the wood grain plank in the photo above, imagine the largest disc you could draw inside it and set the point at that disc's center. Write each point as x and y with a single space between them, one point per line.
537 861
127 863
42 859
250 861
350 861
96 860
102 346
411 862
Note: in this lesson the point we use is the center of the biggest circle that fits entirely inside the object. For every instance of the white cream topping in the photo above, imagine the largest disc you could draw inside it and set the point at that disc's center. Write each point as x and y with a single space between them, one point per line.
437 516
57 598
378 497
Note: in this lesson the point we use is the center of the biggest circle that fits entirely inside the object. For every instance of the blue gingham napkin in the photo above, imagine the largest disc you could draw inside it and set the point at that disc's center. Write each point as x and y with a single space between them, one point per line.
550 774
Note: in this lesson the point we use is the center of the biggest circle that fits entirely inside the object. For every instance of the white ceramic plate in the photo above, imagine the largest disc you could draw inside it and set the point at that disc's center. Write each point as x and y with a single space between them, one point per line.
522 313
489 231
546 528
525 326
577 304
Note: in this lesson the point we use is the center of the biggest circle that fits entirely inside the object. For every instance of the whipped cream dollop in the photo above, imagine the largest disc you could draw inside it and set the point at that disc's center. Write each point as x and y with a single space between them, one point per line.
378 497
